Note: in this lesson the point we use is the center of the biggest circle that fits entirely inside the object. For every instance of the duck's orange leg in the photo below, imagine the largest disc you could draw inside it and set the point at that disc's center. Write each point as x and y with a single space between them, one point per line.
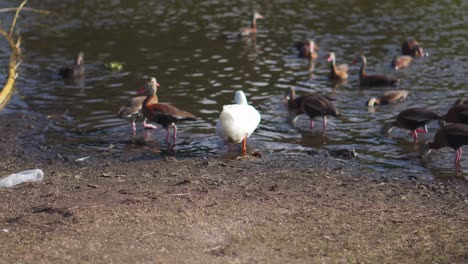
244 145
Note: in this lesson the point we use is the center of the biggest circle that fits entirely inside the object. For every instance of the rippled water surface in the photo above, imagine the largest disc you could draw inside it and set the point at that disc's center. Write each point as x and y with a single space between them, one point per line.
192 48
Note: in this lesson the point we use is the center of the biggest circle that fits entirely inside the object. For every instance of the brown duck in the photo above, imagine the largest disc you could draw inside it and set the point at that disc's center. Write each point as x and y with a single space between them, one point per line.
409 50
307 49
389 97
458 113
372 79
412 119
164 114
412 48
454 136
75 70
313 105
133 110
402 61
337 73
247 31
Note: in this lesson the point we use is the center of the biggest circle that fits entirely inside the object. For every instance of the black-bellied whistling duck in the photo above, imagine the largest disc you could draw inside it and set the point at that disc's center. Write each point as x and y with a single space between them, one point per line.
458 113
313 105
75 70
238 121
133 110
412 48
164 114
409 50
374 79
412 119
402 61
389 97
454 136
307 49
337 73
247 31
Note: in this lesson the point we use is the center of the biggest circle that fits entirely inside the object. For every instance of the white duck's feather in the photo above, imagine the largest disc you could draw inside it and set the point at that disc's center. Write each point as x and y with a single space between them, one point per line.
237 120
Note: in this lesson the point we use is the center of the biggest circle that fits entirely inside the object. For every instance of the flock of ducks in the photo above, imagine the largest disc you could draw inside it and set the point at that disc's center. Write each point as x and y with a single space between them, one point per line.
238 121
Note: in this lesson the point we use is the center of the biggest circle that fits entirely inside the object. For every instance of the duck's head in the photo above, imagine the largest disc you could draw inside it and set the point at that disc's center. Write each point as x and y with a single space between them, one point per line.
359 58
256 16
387 127
239 98
312 46
373 101
460 101
151 87
331 57
419 52
289 94
79 58
425 149
441 122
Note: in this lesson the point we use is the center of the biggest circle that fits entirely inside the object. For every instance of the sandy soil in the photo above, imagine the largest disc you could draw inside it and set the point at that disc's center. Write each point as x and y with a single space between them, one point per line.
273 209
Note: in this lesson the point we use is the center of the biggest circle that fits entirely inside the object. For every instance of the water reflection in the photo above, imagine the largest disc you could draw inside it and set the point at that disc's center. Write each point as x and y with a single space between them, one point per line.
313 139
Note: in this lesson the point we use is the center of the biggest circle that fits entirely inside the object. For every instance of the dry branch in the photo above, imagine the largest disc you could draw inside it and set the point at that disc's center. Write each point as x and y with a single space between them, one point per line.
30 9
5 93
16 17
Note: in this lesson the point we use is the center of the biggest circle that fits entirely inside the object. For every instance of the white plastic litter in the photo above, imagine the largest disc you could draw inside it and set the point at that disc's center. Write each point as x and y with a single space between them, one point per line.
83 159
24 176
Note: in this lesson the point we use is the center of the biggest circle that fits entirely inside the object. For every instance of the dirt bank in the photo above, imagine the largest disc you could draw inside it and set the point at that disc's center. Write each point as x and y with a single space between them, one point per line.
273 209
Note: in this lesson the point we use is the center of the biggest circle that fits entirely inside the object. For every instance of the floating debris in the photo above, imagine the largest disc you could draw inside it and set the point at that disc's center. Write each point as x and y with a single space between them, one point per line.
114 65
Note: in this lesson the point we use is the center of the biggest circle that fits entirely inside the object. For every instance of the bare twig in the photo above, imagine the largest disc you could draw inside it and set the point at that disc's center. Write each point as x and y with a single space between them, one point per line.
16 16
17 65
18 43
30 9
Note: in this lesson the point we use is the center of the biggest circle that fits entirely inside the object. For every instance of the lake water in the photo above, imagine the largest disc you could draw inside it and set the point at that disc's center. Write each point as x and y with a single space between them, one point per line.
191 47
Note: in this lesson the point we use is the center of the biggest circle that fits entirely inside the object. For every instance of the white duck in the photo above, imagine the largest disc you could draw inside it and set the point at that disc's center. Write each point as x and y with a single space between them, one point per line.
238 121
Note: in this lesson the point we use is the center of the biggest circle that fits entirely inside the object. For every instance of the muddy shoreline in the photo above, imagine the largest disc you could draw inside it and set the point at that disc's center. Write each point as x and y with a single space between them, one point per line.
273 209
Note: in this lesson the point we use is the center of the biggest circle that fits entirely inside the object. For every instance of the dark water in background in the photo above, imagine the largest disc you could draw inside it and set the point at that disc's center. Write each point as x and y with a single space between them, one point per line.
189 46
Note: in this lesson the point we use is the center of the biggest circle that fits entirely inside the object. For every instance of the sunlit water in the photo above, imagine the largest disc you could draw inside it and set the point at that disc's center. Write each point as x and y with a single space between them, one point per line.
193 50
